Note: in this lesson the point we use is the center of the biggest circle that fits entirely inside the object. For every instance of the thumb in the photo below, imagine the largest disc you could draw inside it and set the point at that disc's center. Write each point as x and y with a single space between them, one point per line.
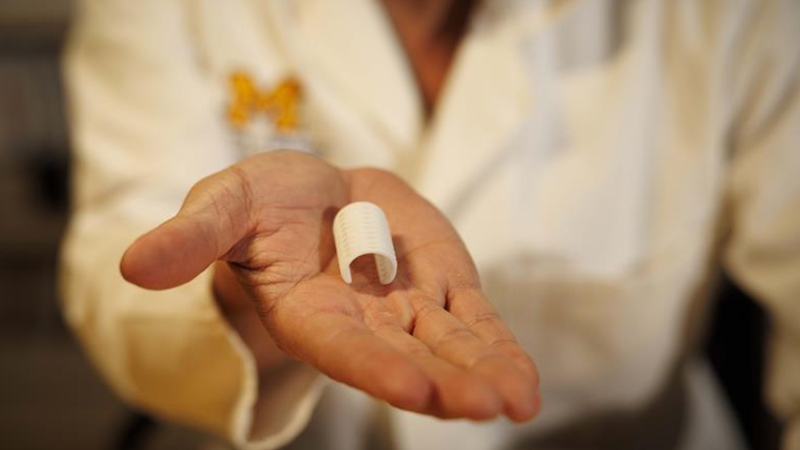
214 217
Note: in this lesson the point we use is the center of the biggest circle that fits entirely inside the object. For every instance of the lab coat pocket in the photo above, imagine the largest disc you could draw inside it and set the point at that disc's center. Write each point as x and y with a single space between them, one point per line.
597 342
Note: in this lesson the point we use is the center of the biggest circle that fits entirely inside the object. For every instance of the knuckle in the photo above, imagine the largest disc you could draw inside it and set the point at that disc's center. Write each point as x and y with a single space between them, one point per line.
486 358
482 318
453 335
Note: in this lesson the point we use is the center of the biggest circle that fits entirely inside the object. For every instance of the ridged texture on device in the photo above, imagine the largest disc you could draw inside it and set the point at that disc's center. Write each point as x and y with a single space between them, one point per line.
361 228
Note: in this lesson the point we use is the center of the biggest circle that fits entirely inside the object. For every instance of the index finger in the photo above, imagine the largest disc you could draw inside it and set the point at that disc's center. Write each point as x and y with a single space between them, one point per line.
348 351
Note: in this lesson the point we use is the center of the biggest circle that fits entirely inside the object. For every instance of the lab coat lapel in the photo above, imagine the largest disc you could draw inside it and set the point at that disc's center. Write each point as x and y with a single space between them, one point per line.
352 44
486 101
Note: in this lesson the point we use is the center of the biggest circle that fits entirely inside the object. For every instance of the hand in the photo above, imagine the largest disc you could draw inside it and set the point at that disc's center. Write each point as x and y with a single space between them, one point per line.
236 306
429 342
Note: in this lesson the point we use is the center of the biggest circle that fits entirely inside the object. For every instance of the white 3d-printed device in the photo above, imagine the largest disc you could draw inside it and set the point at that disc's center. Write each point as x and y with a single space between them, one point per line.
361 228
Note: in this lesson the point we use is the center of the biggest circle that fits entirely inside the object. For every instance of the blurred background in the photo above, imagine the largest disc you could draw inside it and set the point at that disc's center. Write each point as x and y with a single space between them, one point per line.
50 397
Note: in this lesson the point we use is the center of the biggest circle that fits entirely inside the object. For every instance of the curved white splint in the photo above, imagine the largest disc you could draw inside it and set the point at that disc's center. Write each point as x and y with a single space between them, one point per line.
361 228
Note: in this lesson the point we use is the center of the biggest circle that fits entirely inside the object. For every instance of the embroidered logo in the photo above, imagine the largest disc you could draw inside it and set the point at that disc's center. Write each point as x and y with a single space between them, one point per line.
266 119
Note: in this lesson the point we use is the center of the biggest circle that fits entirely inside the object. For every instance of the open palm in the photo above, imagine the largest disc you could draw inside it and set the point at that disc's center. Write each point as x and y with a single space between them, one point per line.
429 342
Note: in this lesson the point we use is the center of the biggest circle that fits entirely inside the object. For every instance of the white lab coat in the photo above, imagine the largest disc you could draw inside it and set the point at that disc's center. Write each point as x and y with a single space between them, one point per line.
600 159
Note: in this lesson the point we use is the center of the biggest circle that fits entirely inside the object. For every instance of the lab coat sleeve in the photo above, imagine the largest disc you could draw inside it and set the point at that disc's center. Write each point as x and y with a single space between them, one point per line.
146 125
763 254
